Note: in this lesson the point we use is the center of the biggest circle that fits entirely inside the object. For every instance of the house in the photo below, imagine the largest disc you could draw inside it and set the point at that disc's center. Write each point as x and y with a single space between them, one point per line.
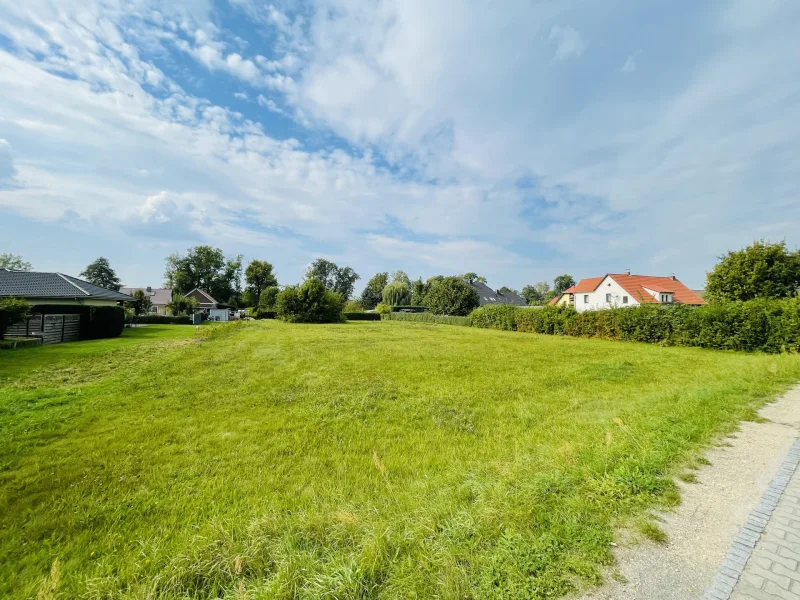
39 288
159 298
487 296
216 311
623 289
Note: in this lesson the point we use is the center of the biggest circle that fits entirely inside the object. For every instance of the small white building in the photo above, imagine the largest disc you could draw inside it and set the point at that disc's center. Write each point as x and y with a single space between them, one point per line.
620 290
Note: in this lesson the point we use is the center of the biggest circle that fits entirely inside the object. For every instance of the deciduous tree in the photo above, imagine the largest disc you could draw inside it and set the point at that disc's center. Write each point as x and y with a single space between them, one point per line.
14 262
762 270
373 291
337 279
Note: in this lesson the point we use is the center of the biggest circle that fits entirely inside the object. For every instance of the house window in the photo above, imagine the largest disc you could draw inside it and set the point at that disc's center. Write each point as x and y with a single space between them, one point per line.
624 299
586 298
608 298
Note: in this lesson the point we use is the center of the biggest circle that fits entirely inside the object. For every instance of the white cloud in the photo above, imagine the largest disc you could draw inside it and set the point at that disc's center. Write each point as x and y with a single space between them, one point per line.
7 170
630 64
269 104
568 41
241 95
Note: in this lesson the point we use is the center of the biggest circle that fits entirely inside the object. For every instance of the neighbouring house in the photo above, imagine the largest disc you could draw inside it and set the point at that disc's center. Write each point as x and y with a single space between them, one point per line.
159 298
56 288
619 290
216 311
487 296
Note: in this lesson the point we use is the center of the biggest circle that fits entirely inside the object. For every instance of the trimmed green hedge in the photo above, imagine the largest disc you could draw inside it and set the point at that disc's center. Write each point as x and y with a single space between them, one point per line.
361 316
264 314
429 318
162 320
756 325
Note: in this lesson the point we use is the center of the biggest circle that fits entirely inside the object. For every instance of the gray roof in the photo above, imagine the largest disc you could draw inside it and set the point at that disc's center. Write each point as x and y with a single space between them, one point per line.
31 284
158 296
487 295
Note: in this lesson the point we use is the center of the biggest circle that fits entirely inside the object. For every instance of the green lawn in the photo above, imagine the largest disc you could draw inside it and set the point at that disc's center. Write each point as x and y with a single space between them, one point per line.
363 460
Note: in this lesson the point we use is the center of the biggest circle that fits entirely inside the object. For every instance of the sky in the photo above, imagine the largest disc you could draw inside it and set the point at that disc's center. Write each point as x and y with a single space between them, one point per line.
519 139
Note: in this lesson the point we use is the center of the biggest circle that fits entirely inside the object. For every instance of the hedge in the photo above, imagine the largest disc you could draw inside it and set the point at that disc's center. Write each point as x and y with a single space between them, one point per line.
756 325
362 316
264 314
429 318
416 309
162 320
96 321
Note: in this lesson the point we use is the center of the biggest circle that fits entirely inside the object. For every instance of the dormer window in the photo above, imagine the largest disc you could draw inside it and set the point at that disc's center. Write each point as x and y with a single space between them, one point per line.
666 297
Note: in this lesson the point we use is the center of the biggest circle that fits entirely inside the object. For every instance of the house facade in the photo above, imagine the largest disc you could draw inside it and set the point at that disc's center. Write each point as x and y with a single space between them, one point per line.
159 298
618 290
56 288
204 299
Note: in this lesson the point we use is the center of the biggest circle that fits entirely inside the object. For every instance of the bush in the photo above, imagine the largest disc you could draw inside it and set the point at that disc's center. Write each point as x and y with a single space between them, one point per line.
264 314
105 321
397 293
451 296
309 303
383 309
162 320
361 316
12 310
757 325
353 306
500 316
430 318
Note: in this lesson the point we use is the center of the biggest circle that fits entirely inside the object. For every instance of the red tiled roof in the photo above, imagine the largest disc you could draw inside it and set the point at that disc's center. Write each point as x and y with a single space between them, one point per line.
554 300
635 285
585 285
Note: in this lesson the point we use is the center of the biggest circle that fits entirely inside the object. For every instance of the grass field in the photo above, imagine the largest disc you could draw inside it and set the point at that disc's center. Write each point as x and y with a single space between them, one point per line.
363 460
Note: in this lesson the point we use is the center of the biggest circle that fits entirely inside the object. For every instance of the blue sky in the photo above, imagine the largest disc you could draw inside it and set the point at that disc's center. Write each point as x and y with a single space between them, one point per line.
517 139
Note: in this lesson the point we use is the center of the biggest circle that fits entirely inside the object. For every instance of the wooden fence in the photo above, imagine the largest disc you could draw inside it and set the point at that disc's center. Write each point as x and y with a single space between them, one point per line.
51 328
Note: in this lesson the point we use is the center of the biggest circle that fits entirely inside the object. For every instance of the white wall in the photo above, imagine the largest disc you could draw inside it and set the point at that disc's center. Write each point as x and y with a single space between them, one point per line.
597 299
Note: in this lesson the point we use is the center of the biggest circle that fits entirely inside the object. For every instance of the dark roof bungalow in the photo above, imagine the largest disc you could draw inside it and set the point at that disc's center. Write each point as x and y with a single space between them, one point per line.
487 296
56 288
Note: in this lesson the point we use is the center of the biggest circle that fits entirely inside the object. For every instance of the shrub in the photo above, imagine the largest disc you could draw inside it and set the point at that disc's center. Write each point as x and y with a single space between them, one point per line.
361 316
353 306
264 314
757 325
430 318
162 320
451 296
309 303
12 310
105 321
501 316
383 309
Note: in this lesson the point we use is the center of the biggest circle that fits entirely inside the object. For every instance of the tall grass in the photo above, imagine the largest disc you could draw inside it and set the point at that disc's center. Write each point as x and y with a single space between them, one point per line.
357 460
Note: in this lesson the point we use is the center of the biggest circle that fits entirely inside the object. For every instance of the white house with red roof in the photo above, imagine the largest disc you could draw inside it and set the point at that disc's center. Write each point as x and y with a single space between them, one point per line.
615 290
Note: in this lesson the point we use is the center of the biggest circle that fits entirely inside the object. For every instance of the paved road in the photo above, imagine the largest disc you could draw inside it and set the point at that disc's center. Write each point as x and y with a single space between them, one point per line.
763 562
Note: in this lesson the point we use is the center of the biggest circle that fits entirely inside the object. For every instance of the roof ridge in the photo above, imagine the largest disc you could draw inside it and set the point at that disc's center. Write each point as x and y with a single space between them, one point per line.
67 279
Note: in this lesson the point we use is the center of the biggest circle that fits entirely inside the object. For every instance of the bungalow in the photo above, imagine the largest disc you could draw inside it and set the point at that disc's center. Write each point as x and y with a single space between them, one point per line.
216 311
159 298
487 296
619 290
56 288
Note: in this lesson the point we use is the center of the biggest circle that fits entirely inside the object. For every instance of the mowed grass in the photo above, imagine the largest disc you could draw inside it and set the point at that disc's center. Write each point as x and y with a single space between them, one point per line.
362 460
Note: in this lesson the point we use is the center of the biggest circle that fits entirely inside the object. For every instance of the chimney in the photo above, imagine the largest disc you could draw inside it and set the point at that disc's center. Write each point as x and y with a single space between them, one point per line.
627 271
673 277
149 289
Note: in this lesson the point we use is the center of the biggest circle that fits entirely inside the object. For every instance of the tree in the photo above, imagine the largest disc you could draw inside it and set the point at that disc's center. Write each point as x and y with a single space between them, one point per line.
340 280
451 296
266 301
181 305
763 270
373 292
14 262
537 293
141 303
562 282
310 302
206 268
507 290
100 273
473 277
12 310
397 294
401 277
418 291
259 276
